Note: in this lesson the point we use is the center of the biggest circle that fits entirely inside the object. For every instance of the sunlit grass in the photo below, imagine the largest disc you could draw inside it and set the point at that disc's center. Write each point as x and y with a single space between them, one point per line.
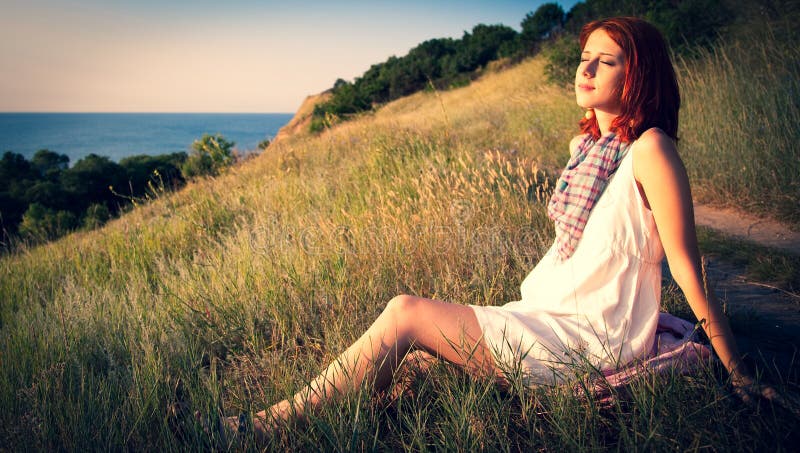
739 123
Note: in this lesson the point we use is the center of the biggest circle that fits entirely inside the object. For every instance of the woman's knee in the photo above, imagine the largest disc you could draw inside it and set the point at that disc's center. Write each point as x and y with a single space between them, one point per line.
402 309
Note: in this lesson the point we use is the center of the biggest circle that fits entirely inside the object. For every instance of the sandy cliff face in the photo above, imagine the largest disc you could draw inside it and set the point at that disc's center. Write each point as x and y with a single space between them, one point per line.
302 118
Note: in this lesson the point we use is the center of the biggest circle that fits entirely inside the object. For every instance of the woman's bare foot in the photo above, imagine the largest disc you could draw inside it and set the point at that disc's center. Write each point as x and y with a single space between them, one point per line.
241 425
263 425
278 416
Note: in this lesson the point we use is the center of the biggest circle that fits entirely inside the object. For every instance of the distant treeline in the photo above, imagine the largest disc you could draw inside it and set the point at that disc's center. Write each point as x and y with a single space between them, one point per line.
447 63
44 198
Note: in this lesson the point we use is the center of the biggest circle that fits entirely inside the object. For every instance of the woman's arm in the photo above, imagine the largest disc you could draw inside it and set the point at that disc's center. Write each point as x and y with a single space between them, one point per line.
662 178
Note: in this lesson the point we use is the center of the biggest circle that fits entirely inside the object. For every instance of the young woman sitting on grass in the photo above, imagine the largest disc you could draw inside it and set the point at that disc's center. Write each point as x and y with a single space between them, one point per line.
622 203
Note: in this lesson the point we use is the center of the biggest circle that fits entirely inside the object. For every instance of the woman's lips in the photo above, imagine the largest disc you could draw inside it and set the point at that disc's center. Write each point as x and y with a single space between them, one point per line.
585 87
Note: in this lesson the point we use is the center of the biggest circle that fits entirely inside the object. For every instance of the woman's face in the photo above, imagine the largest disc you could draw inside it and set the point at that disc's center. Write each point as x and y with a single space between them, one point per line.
601 74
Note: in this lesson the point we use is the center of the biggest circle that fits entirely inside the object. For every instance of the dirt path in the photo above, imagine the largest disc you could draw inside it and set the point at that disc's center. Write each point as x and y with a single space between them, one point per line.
735 223
766 320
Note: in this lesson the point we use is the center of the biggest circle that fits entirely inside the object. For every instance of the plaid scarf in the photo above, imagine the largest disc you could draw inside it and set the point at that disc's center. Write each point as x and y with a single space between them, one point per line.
579 187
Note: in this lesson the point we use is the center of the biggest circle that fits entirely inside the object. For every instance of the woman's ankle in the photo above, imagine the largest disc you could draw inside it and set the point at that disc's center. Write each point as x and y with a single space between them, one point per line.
280 414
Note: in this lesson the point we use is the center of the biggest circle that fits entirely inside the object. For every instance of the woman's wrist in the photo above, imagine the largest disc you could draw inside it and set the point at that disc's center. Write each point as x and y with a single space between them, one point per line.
740 374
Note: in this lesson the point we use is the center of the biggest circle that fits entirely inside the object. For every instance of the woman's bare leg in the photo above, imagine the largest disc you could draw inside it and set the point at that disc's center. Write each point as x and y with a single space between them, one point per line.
444 330
415 364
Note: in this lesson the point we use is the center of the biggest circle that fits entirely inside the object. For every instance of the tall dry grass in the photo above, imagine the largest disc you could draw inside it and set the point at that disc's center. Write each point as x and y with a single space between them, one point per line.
741 142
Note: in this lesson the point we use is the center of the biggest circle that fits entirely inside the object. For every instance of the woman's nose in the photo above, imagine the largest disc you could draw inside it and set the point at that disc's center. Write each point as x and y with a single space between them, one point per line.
589 69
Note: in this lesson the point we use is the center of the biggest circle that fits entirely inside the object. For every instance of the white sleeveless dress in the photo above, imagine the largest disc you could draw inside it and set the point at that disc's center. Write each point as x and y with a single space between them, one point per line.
599 307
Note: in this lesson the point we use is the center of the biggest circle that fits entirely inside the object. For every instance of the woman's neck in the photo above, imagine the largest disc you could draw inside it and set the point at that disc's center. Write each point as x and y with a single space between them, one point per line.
604 120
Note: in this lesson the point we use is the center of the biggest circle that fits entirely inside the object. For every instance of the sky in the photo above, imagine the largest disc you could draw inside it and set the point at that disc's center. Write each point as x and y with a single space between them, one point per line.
209 55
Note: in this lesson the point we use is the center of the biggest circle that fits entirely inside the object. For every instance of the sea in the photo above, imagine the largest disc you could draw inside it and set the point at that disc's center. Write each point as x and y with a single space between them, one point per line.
118 135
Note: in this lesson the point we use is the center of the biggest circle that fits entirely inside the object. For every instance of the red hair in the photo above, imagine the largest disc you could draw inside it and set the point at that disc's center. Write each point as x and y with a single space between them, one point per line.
650 96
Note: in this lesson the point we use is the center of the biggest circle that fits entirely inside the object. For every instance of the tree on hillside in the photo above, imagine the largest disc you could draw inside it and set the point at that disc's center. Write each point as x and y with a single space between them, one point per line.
46 190
540 24
141 171
404 79
689 21
96 216
16 177
347 99
41 224
482 46
684 22
16 173
44 198
23 183
48 193
373 84
49 164
427 57
89 181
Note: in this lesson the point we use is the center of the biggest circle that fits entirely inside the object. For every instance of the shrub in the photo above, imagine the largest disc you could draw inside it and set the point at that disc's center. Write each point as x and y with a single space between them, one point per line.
91 180
540 24
96 216
48 194
141 171
49 164
41 224
562 59
210 155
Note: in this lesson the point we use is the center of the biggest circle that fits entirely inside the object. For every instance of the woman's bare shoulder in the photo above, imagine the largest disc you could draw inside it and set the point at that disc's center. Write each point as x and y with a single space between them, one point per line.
573 144
653 152
654 140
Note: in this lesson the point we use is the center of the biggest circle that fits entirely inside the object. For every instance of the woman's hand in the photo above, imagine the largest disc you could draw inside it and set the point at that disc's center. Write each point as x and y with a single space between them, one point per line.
752 393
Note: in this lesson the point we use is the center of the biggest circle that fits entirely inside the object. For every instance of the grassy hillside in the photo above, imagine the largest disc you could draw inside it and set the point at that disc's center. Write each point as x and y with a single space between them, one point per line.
243 286
741 107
